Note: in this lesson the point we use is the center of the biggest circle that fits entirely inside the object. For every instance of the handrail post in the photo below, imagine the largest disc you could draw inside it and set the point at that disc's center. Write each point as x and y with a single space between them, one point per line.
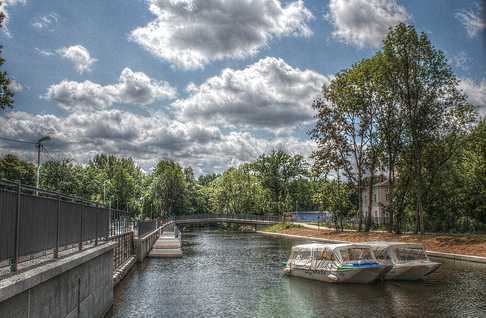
96 226
110 220
56 249
14 260
81 232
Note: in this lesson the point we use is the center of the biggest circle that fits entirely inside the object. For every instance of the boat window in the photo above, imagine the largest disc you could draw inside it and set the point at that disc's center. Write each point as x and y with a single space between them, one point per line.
409 254
302 255
355 254
380 254
323 255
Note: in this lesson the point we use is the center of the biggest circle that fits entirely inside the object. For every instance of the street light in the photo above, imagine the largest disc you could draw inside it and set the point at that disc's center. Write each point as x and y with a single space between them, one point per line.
104 191
39 148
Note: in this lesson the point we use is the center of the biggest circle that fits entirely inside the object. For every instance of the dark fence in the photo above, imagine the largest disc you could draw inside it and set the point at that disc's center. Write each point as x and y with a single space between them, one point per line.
34 220
123 249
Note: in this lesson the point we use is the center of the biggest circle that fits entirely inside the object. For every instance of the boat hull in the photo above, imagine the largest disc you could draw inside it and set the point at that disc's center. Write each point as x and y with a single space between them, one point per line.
359 276
411 271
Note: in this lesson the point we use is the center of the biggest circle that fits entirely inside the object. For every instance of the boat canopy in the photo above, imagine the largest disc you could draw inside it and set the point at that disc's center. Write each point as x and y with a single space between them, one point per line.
342 252
329 247
398 252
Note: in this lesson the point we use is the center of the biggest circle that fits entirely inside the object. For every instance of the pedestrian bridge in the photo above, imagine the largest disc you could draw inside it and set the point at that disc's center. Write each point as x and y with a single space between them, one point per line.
250 219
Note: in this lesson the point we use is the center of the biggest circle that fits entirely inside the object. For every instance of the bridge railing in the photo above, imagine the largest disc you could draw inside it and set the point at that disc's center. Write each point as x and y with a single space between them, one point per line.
146 226
254 217
36 225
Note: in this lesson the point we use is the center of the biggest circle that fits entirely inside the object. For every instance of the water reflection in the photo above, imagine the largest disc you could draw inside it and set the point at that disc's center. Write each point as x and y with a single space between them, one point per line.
239 275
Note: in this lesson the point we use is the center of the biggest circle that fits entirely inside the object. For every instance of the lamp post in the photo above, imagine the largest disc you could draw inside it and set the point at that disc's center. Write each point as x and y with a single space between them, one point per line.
39 148
104 191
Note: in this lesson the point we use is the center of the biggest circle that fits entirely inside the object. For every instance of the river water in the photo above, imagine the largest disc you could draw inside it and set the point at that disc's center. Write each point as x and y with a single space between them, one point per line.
239 275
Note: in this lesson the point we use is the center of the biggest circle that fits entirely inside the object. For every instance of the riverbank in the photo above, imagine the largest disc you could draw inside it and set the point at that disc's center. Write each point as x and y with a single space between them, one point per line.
468 244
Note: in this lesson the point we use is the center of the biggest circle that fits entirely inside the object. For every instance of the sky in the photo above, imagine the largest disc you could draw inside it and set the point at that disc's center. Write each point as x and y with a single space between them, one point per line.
208 83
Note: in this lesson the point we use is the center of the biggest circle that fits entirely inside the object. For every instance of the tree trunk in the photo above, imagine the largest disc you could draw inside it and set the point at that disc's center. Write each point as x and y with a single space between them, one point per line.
370 201
389 196
419 226
360 202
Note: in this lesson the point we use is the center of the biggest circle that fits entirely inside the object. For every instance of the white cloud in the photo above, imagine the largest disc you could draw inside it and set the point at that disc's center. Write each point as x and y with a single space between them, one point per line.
145 138
267 94
132 88
46 22
472 19
191 33
79 56
4 5
15 86
364 23
476 93
44 52
460 61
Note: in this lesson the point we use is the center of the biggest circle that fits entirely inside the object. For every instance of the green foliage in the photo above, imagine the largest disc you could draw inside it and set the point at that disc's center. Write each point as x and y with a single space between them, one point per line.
400 111
237 191
276 171
276 228
6 95
168 188
206 179
14 169
61 176
336 197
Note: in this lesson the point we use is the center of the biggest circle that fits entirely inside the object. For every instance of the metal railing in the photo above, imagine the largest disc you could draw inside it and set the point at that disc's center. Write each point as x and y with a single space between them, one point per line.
249 217
36 223
123 250
146 226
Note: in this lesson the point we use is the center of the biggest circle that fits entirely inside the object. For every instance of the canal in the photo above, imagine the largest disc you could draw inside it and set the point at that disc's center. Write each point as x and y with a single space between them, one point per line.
239 275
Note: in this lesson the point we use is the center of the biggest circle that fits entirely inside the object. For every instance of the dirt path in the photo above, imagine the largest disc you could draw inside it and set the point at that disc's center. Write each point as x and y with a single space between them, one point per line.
472 244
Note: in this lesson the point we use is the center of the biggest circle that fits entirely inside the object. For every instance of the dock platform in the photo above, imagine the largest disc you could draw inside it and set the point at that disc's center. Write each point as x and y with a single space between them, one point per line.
167 245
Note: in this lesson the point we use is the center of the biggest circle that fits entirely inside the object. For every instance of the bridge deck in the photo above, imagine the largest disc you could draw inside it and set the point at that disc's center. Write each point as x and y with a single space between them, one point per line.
167 245
227 220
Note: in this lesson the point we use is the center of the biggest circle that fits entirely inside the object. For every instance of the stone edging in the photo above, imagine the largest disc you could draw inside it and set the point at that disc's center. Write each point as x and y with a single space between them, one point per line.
23 281
457 257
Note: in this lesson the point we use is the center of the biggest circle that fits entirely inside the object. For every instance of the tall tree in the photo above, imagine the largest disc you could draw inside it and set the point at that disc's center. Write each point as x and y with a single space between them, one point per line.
275 171
60 176
390 119
345 130
169 187
6 94
427 92
237 190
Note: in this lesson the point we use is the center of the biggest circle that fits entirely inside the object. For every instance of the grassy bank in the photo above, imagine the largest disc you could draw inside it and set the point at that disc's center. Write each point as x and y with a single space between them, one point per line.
467 244
280 227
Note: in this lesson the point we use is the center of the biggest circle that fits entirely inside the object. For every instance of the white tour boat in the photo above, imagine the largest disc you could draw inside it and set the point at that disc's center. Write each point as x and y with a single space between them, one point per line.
334 263
409 261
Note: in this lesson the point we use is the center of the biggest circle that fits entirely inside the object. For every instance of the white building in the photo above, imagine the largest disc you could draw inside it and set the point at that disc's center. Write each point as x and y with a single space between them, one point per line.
379 202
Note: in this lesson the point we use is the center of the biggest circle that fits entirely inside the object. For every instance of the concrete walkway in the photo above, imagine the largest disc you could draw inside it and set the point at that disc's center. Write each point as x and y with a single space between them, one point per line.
167 245
322 227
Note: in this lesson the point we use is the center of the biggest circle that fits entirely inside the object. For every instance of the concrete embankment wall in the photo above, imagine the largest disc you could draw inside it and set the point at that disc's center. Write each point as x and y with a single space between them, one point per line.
144 244
78 286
